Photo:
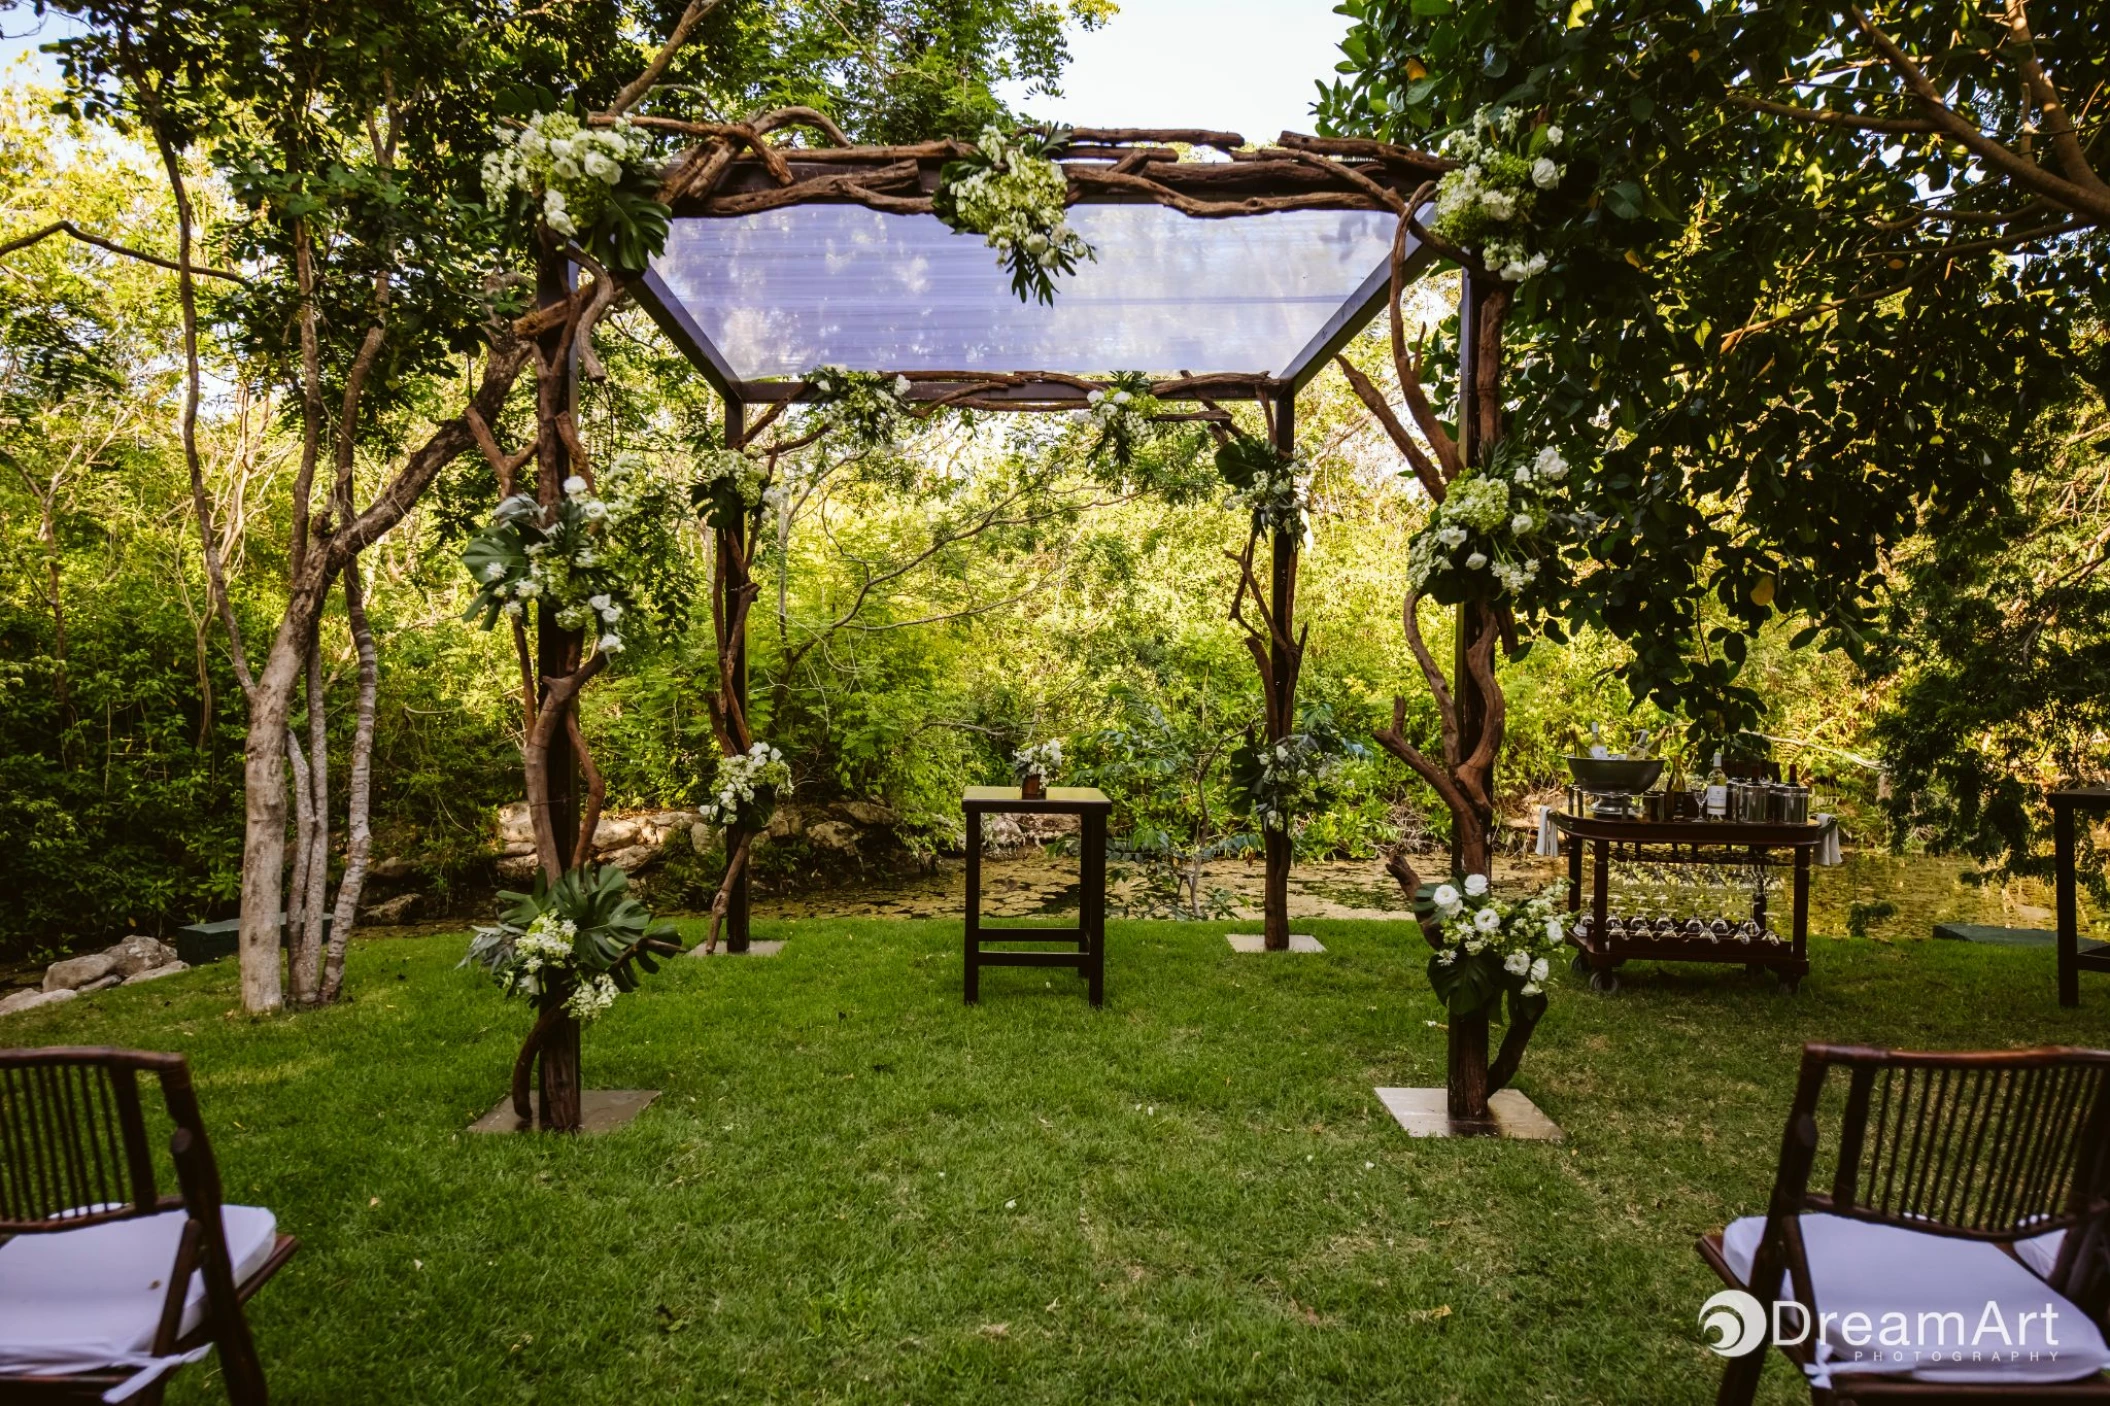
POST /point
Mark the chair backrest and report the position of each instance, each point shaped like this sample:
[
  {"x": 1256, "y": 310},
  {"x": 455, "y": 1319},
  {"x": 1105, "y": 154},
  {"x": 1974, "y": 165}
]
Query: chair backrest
[
  {"x": 74, "y": 1147},
  {"x": 1989, "y": 1146}
]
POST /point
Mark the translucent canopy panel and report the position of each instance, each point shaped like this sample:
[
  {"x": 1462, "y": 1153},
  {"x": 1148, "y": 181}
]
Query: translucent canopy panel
[{"x": 782, "y": 292}]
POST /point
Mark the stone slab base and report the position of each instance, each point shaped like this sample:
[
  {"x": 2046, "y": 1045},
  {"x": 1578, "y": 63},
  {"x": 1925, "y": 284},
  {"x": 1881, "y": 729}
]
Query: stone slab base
[
  {"x": 601, "y": 1110},
  {"x": 1256, "y": 942},
  {"x": 755, "y": 948},
  {"x": 1426, "y": 1113}
]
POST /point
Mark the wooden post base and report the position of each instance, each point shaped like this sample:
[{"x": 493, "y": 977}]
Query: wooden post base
[
  {"x": 1426, "y": 1113},
  {"x": 600, "y": 1111}
]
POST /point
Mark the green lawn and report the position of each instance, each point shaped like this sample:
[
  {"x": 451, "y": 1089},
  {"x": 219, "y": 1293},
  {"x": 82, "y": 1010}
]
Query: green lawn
[{"x": 856, "y": 1189}]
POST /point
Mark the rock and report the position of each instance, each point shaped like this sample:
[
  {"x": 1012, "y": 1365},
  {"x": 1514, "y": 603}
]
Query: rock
[
  {"x": 391, "y": 912},
  {"x": 1035, "y": 829},
  {"x": 521, "y": 868},
  {"x": 615, "y": 832},
  {"x": 76, "y": 972},
  {"x": 514, "y": 828},
  {"x": 1001, "y": 832},
  {"x": 157, "y": 973},
  {"x": 395, "y": 868},
  {"x": 703, "y": 835},
  {"x": 100, "y": 984},
  {"x": 139, "y": 953},
  {"x": 833, "y": 834},
  {"x": 871, "y": 813},
  {"x": 29, "y": 1000},
  {"x": 786, "y": 822},
  {"x": 631, "y": 857},
  {"x": 672, "y": 819}
]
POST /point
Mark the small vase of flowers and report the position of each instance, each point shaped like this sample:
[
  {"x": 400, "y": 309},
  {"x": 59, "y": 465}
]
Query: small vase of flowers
[{"x": 1033, "y": 766}]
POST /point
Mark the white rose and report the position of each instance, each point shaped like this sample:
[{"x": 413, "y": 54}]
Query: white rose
[
  {"x": 595, "y": 510},
  {"x": 1544, "y": 174},
  {"x": 1554, "y": 932},
  {"x": 602, "y": 169},
  {"x": 1516, "y": 964},
  {"x": 600, "y": 602},
  {"x": 1487, "y": 920},
  {"x": 1531, "y": 988},
  {"x": 1523, "y": 475},
  {"x": 1553, "y": 136},
  {"x": 611, "y": 643},
  {"x": 1475, "y": 884},
  {"x": 1476, "y": 560},
  {"x": 611, "y": 612},
  {"x": 1446, "y": 897},
  {"x": 1539, "y": 970},
  {"x": 574, "y": 486},
  {"x": 1520, "y": 524}
]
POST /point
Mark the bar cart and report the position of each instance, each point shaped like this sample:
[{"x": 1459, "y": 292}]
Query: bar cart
[{"x": 1606, "y": 940}]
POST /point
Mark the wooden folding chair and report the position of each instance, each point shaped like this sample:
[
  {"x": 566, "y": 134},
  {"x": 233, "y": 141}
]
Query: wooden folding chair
[
  {"x": 1956, "y": 1179},
  {"x": 106, "y": 1285}
]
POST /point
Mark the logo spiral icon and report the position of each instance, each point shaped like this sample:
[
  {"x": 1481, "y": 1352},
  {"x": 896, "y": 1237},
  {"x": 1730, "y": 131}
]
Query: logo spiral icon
[{"x": 1734, "y": 1323}]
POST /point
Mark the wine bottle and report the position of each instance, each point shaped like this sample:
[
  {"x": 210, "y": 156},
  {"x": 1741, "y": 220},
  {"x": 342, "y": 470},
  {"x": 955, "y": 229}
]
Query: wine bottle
[
  {"x": 1637, "y": 750},
  {"x": 1717, "y": 798},
  {"x": 1597, "y": 748}
]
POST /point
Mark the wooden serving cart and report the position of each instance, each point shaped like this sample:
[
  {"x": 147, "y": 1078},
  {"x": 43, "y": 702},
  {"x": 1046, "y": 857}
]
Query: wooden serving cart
[{"x": 1606, "y": 940}]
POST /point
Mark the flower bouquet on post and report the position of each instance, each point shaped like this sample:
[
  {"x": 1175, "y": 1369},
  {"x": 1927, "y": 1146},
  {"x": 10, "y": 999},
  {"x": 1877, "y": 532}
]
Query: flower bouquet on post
[
  {"x": 1488, "y": 951},
  {"x": 1032, "y": 766},
  {"x": 570, "y": 948}
]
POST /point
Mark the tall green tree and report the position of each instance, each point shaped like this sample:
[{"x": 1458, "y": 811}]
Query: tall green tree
[{"x": 1814, "y": 273}]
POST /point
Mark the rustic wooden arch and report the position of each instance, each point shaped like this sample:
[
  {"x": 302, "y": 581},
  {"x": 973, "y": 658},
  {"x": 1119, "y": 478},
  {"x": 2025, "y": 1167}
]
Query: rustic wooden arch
[{"x": 737, "y": 169}]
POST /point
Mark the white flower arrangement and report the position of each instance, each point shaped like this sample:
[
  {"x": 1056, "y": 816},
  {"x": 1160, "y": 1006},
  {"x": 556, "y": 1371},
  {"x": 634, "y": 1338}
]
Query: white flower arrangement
[
  {"x": 1495, "y": 529},
  {"x": 1043, "y": 759},
  {"x": 1487, "y": 202},
  {"x": 566, "y": 170},
  {"x": 572, "y": 944},
  {"x": 729, "y": 486},
  {"x": 1280, "y": 497},
  {"x": 527, "y": 555},
  {"x": 1125, "y": 413},
  {"x": 1486, "y": 945},
  {"x": 1013, "y": 192},
  {"x": 871, "y": 407},
  {"x": 747, "y": 788},
  {"x": 1275, "y": 782}
]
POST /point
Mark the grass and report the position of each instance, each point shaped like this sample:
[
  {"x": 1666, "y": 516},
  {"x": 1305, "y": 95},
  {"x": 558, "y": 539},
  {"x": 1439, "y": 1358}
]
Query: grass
[{"x": 855, "y": 1189}]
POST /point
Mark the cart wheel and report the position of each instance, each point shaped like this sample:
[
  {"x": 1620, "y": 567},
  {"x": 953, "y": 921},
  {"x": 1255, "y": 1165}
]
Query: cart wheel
[
  {"x": 1605, "y": 982},
  {"x": 1579, "y": 963},
  {"x": 1754, "y": 968},
  {"x": 1792, "y": 984}
]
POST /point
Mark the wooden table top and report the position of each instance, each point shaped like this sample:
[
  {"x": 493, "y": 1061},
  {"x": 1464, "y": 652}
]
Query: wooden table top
[
  {"x": 1692, "y": 832},
  {"x": 1060, "y": 800}
]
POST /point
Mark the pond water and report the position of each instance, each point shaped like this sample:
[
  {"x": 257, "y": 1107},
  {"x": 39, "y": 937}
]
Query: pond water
[{"x": 1921, "y": 891}]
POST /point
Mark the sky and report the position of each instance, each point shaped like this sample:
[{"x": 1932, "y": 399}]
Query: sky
[{"x": 1245, "y": 66}]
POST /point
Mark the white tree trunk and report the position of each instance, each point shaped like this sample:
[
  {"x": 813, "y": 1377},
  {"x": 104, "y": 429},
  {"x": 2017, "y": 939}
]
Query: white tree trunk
[{"x": 358, "y": 831}]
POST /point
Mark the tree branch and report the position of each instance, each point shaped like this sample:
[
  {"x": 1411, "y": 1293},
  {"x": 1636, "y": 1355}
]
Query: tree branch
[
  {"x": 68, "y": 227},
  {"x": 642, "y": 84},
  {"x": 2093, "y": 203}
]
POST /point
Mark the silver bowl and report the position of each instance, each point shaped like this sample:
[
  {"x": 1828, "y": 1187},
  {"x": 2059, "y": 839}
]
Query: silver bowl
[{"x": 1615, "y": 776}]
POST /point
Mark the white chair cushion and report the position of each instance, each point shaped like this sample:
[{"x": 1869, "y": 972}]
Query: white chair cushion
[
  {"x": 2041, "y": 1252},
  {"x": 1907, "y": 1283},
  {"x": 73, "y": 1300}
]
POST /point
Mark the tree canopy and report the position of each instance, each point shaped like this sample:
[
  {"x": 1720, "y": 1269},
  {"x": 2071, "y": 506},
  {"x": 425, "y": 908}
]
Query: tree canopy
[{"x": 1815, "y": 274}]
